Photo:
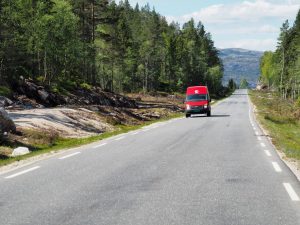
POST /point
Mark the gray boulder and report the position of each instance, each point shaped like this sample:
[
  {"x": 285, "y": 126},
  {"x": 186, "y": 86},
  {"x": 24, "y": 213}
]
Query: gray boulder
[
  {"x": 6, "y": 123},
  {"x": 5, "y": 101},
  {"x": 20, "y": 151}
]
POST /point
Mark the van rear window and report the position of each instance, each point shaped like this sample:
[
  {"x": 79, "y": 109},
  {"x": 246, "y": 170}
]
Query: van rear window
[{"x": 195, "y": 98}]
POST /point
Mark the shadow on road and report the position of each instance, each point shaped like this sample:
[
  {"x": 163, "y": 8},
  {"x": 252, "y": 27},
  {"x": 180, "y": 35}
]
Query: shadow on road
[
  {"x": 199, "y": 116},
  {"x": 238, "y": 94}
]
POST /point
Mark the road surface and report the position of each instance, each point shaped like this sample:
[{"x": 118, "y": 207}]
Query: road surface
[{"x": 205, "y": 171}]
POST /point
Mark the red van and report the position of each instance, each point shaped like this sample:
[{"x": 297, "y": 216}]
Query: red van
[{"x": 197, "y": 101}]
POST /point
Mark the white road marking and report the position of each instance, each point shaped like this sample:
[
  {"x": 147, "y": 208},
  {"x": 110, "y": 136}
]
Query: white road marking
[
  {"x": 22, "y": 172},
  {"x": 254, "y": 128},
  {"x": 262, "y": 144},
  {"x": 268, "y": 153},
  {"x": 70, "y": 155},
  {"x": 120, "y": 138},
  {"x": 135, "y": 133},
  {"x": 256, "y": 133},
  {"x": 259, "y": 138},
  {"x": 276, "y": 167},
  {"x": 98, "y": 146},
  {"x": 145, "y": 130},
  {"x": 291, "y": 192}
]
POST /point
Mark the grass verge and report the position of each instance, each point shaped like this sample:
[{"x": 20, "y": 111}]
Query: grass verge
[
  {"x": 63, "y": 143},
  {"x": 281, "y": 118}
]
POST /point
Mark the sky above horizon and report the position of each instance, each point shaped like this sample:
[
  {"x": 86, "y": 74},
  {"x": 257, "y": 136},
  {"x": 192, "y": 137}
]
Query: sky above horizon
[{"x": 248, "y": 24}]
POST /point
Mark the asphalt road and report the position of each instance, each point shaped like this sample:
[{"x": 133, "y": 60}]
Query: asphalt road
[{"x": 210, "y": 171}]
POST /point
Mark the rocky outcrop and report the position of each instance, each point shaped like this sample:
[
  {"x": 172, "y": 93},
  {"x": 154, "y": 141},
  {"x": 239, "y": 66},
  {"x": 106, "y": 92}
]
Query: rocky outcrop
[
  {"x": 6, "y": 124},
  {"x": 37, "y": 93},
  {"x": 30, "y": 95},
  {"x": 4, "y": 102}
]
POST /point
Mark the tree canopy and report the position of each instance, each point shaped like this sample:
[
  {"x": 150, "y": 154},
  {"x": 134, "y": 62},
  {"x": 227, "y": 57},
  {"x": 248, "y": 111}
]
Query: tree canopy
[
  {"x": 116, "y": 46},
  {"x": 281, "y": 69}
]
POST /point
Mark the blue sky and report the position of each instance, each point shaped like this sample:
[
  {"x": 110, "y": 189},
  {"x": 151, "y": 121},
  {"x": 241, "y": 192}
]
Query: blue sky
[{"x": 249, "y": 24}]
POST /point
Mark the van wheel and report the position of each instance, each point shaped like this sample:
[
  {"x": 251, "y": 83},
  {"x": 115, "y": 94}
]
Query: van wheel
[
  {"x": 187, "y": 115},
  {"x": 209, "y": 113}
]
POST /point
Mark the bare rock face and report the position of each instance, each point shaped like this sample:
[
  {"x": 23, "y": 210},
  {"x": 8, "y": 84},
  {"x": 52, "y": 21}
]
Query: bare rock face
[{"x": 6, "y": 123}]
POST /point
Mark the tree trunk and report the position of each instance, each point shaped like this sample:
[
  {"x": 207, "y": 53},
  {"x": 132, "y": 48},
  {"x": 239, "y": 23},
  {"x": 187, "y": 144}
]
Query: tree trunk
[
  {"x": 112, "y": 75},
  {"x": 282, "y": 72},
  {"x": 45, "y": 66}
]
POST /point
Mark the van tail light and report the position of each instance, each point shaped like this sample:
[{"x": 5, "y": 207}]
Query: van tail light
[
  {"x": 188, "y": 107},
  {"x": 205, "y": 106}
]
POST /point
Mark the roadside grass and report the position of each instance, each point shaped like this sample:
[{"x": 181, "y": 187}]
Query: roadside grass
[
  {"x": 49, "y": 143},
  {"x": 281, "y": 118}
]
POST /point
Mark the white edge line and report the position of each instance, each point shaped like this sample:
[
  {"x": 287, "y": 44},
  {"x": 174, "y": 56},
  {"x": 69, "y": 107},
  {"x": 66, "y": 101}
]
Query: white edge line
[
  {"x": 268, "y": 153},
  {"x": 288, "y": 187},
  {"x": 120, "y": 138},
  {"x": 70, "y": 155},
  {"x": 262, "y": 145},
  {"x": 276, "y": 167},
  {"x": 98, "y": 146},
  {"x": 22, "y": 172}
]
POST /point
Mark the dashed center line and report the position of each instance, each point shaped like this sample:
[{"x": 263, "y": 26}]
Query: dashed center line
[
  {"x": 262, "y": 144},
  {"x": 70, "y": 155},
  {"x": 291, "y": 192},
  {"x": 268, "y": 153},
  {"x": 98, "y": 146},
  {"x": 256, "y": 133},
  {"x": 276, "y": 167},
  {"x": 22, "y": 172}
]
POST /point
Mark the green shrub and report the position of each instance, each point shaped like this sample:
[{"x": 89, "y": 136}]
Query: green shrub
[
  {"x": 68, "y": 85},
  {"x": 5, "y": 91},
  {"x": 298, "y": 102},
  {"x": 86, "y": 86}
]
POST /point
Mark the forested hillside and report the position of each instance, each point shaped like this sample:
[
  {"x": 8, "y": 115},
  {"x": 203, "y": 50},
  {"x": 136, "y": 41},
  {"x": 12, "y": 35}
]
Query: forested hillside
[
  {"x": 281, "y": 69},
  {"x": 70, "y": 43},
  {"x": 239, "y": 64}
]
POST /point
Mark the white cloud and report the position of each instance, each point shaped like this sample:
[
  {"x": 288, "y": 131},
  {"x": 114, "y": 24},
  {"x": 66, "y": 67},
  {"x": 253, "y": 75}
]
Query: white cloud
[
  {"x": 253, "y": 44},
  {"x": 245, "y": 11},
  {"x": 264, "y": 29}
]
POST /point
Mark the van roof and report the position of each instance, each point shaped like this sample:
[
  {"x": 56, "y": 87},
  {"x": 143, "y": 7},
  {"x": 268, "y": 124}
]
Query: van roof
[{"x": 196, "y": 90}]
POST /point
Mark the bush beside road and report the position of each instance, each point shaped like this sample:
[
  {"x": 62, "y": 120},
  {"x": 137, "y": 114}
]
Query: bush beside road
[{"x": 281, "y": 119}]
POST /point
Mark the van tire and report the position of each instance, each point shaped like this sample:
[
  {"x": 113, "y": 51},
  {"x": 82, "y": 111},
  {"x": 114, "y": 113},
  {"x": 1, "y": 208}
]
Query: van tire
[
  {"x": 187, "y": 115},
  {"x": 209, "y": 113}
]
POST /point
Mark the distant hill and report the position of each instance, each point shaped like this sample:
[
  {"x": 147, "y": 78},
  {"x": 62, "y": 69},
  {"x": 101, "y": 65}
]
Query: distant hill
[{"x": 240, "y": 63}]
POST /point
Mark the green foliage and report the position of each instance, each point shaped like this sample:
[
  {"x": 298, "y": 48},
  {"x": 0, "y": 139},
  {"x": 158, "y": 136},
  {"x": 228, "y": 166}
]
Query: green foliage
[
  {"x": 85, "y": 86},
  {"x": 5, "y": 91},
  {"x": 298, "y": 102},
  {"x": 281, "y": 69},
  {"x": 244, "y": 84},
  {"x": 101, "y": 42},
  {"x": 231, "y": 85}
]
